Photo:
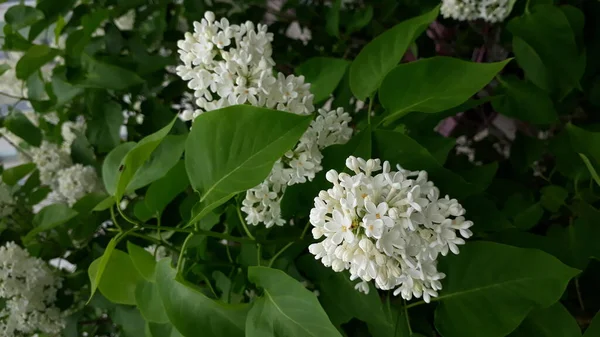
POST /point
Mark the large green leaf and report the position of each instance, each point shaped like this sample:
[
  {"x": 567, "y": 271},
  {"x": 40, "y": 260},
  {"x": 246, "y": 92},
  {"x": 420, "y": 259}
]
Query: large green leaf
[
  {"x": 21, "y": 126},
  {"x": 554, "y": 321},
  {"x": 143, "y": 261},
  {"x": 548, "y": 33},
  {"x": 163, "y": 191},
  {"x": 163, "y": 158},
  {"x": 586, "y": 142},
  {"x": 399, "y": 148},
  {"x": 11, "y": 176},
  {"x": 115, "y": 276},
  {"x": 33, "y": 60},
  {"x": 523, "y": 100},
  {"x": 340, "y": 299},
  {"x": 161, "y": 330},
  {"x": 433, "y": 85},
  {"x": 575, "y": 244},
  {"x": 286, "y": 308},
  {"x": 112, "y": 166},
  {"x": 137, "y": 156},
  {"x": 324, "y": 74},
  {"x": 233, "y": 149},
  {"x": 103, "y": 130},
  {"x": 191, "y": 312},
  {"x": 107, "y": 76},
  {"x": 384, "y": 52},
  {"x": 20, "y": 16},
  {"x": 50, "y": 217},
  {"x": 504, "y": 282},
  {"x": 149, "y": 302}
]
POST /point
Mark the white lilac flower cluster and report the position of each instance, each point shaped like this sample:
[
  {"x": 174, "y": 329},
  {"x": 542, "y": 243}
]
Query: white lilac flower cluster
[
  {"x": 7, "y": 203},
  {"x": 68, "y": 182},
  {"x": 263, "y": 202},
  {"x": 70, "y": 130},
  {"x": 231, "y": 64},
  {"x": 28, "y": 290},
  {"x": 389, "y": 227},
  {"x": 469, "y": 10}
]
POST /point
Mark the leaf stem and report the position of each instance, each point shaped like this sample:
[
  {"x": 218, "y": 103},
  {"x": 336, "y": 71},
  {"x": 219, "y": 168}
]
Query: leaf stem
[
  {"x": 415, "y": 304},
  {"x": 156, "y": 241},
  {"x": 133, "y": 222},
  {"x": 114, "y": 219},
  {"x": 304, "y": 231},
  {"x": 279, "y": 253},
  {"x": 244, "y": 225},
  {"x": 370, "y": 108},
  {"x": 202, "y": 232},
  {"x": 182, "y": 253},
  {"x": 407, "y": 319},
  {"x": 258, "y": 255},
  {"x": 578, "y": 290}
]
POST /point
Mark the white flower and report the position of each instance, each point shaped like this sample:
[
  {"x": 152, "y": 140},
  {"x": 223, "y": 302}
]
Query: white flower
[
  {"x": 295, "y": 32},
  {"x": 469, "y": 10},
  {"x": 7, "y": 203},
  {"x": 75, "y": 182},
  {"x": 50, "y": 159},
  {"x": 69, "y": 131},
  {"x": 28, "y": 290},
  {"x": 389, "y": 227}
]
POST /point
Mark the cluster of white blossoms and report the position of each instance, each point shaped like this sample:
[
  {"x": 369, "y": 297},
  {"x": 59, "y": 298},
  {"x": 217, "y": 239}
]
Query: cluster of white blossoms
[
  {"x": 27, "y": 290},
  {"x": 7, "y": 203},
  {"x": 469, "y": 10},
  {"x": 387, "y": 226},
  {"x": 70, "y": 130},
  {"x": 231, "y": 64},
  {"x": 263, "y": 202},
  {"x": 69, "y": 182}
]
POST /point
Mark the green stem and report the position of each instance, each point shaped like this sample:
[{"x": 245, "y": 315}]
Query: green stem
[
  {"x": 415, "y": 304},
  {"x": 279, "y": 253},
  {"x": 579, "y": 298},
  {"x": 114, "y": 219},
  {"x": 244, "y": 225},
  {"x": 156, "y": 241},
  {"x": 202, "y": 232},
  {"x": 407, "y": 319},
  {"x": 305, "y": 230},
  {"x": 182, "y": 254},
  {"x": 370, "y": 108},
  {"x": 133, "y": 222},
  {"x": 258, "y": 255}
]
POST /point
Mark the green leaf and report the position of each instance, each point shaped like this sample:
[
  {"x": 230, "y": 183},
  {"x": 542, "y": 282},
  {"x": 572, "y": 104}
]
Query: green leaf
[
  {"x": 107, "y": 76},
  {"x": 82, "y": 151},
  {"x": 324, "y": 74},
  {"x": 575, "y": 244},
  {"x": 384, "y": 52},
  {"x": 525, "y": 101},
  {"x": 103, "y": 129},
  {"x": 397, "y": 326},
  {"x": 286, "y": 308},
  {"x": 485, "y": 214},
  {"x": 529, "y": 217},
  {"x": 400, "y": 149},
  {"x": 129, "y": 320},
  {"x": 191, "y": 312},
  {"x": 143, "y": 261},
  {"x": 593, "y": 329},
  {"x": 115, "y": 276},
  {"x": 585, "y": 142},
  {"x": 137, "y": 156},
  {"x": 50, "y": 217},
  {"x": 224, "y": 156},
  {"x": 548, "y": 32},
  {"x": 11, "y": 176},
  {"x": 505, "y": 282},
  {"x": 112, "y": 164},
  {"x": 21, "y": 16},
  {"x": 161, "y": 330},
  {"x": 21, "y": 126},
  {"x": 33, "y": 60},
  {"x": 332, "y": 25},
  {"x": 553, "y": 197},
  {"x": 163, "y": 158},
  {"x": 163, "y": 191},
  {"x": 449, "y": 82},
  {"x": 148, "y": 301},
  {"x": 4, "y": 68},
  {"x": 531, "y": 63},
  {"x": 96, "y": 273},
  {"x": 339, "y": 297},
  {"x": 590, "y": 168},
  {"x": 554, "y": 321}
]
